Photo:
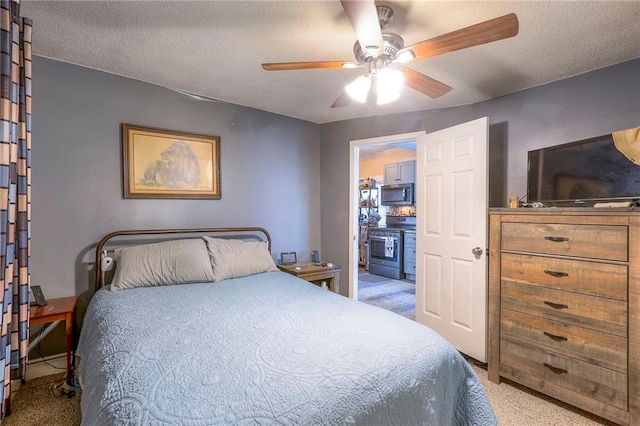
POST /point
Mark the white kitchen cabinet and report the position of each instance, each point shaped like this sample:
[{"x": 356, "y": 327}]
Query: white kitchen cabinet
[
  {"x": 402, "y": 172},
  {"x": 410, "y": 255}
]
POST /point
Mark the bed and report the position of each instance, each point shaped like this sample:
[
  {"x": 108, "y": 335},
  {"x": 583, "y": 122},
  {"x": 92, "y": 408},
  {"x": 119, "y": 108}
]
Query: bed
[{"x": 262, "y": 349}]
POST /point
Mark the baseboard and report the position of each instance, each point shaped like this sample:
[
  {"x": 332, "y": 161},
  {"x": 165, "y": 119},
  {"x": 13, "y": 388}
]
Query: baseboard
[{"x": 46, "y": 366}]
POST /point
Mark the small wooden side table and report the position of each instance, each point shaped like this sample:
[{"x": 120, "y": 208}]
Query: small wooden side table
[
  {"x": 315, "y": 273},
  {"x": 61, "y": 309}
]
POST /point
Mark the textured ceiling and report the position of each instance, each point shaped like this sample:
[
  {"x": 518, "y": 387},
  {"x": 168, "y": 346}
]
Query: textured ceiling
[{"x": 216, "y": 48}]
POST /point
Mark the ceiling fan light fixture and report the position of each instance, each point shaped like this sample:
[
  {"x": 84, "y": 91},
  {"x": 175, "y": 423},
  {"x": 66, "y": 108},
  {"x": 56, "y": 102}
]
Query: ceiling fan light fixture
[
  {"x": 390, "y": 79},
  {"x": 388, "y": 85},
  {"x": 387, "y": 96},
  {"x": 377, "y": 50},
  {"x": 405, "y": 56},
  {"x": 359, "y": 88},
  {"x": 372, "y": 51}
]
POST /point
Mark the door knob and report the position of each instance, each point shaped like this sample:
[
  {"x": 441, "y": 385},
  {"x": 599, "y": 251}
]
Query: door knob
[{"x": 477, "y": 252}]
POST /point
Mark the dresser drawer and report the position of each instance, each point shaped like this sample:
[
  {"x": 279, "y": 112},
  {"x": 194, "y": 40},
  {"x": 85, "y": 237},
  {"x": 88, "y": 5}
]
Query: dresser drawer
[
  {"x": 594, "y": 241},
  {"x": 590, "y": 380},
  {"x": 582, "y": 276},
  {"x": 596, "y": 313},
  {"x": 603, "y": 349}
]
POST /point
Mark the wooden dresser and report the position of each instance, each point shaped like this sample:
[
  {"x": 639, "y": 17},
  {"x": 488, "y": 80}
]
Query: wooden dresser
[{"x": 564, "y": 306}]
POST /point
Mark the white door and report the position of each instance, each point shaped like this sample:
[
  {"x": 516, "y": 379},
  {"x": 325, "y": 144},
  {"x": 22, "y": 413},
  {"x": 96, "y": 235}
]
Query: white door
[{"x": 451, "y": 235}]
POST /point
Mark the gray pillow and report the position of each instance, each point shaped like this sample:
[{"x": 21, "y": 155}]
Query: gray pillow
[
  {"x": 164, "y": 263},
  {"x": 238, "y": 258}
]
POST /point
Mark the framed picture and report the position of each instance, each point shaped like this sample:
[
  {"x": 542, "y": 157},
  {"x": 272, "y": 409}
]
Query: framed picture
[
  {"x": 159, "y": 163},
  {"x": 288, "y": 258}
]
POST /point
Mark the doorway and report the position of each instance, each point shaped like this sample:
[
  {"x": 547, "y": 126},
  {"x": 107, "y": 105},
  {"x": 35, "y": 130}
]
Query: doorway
[
  {"x": 367, "y": 157},
  {"x": 451, "y": 214}
]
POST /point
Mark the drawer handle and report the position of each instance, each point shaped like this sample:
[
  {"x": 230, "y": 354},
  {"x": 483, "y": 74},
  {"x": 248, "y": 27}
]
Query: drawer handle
[
  {"x": 555, "y": 337},
  {"x": 555, "y": 369},
  {"x": 556, "y": 239},
  {"x": 556, "y": 274},
  {"x": 556, "y": 305}
]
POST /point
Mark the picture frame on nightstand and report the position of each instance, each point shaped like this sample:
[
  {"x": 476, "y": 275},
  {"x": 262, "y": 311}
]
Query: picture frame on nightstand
[
  {"x": 288, "y": 258},
  {"x": 36, "y": 296}
]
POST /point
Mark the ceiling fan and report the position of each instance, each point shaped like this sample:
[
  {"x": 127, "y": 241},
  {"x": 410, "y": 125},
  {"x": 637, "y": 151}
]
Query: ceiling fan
[{"x": 383, "y": 53}]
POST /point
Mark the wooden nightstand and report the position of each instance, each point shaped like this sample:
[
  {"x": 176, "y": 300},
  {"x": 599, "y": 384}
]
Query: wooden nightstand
[
  {"x": 61, "y": 309},
  {"x": 309, "y": 271}
]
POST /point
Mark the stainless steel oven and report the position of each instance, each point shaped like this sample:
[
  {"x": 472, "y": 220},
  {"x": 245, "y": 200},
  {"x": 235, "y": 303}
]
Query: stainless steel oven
[
  {"x": 385, "y": 252},
  {"x": 386, "y": 246}
]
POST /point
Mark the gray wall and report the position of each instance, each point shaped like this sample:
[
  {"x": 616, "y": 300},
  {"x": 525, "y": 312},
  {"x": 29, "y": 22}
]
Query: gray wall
[
  {"x": 270, "y": 168},
  {"x": 580, "y": 107},
  {"x": 287, "y": 175}
]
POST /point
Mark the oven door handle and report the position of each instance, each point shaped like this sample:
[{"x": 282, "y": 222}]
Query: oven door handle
[{"x": 382, "y": 238}]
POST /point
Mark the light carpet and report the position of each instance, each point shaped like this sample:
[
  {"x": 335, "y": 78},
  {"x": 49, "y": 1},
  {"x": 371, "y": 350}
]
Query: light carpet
[
  {"x": 516, "y": 405},
  {"x": 34, "y": 404}
]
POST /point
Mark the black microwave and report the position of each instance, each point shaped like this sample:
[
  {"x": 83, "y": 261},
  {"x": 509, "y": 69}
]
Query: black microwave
[{"x": 397, "y": 195}]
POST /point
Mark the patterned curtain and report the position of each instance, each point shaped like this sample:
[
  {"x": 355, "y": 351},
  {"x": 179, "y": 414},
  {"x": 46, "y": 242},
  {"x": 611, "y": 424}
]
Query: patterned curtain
[{"x": 15, "y": 193}]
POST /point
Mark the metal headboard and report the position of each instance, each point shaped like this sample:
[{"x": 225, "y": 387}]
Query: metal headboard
[{"x": 142, "y": 232}]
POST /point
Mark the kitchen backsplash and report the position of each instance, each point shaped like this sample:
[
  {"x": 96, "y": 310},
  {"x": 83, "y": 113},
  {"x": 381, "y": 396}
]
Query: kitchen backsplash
[{"x": 401, "y": 210}]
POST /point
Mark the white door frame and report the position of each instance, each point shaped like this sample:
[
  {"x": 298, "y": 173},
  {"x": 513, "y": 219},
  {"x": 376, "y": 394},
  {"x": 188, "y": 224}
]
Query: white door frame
[{"x": 354, "y": 179}]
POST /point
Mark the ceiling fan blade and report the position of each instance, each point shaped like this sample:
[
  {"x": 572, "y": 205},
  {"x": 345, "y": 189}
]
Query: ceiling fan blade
[
  {"x": 363, "y": 16},
  {"x": 343, "y": 100},
  {"x": 283, "y": 66},
  {"x": 423, "y": 84},
  {"x": 485, "y": 32}
]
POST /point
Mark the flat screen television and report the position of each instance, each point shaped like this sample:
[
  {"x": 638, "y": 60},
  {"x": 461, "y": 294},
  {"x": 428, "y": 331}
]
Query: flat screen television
[{"x": 581, "y": 173}]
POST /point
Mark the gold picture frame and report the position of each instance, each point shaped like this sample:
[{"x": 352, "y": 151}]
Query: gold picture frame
[{"x": 161, "y": 163}]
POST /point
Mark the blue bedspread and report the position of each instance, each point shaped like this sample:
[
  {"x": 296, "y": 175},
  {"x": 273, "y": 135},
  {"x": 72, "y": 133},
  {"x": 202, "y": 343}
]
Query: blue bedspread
[{"x": 263, "y": 350}]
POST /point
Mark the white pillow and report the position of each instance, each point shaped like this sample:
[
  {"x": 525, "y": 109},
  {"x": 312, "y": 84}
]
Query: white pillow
[
  {"x": 164, "y": 263},
  {"x": 238, "y": 258}
]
